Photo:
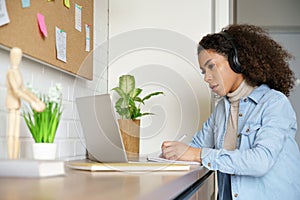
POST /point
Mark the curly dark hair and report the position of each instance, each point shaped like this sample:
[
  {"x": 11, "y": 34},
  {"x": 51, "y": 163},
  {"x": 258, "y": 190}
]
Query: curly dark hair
[{"x": 263, "y": 61}]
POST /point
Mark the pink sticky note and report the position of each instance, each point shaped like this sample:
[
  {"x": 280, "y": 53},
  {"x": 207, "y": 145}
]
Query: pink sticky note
[{"x": 42, "y": 25}]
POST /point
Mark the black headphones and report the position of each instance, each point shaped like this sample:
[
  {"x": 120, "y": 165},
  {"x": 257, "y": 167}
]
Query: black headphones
[{"x": 232, "y": 54}]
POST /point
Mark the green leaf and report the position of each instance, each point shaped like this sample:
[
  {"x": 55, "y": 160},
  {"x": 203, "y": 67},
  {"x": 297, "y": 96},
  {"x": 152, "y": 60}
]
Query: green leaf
[
  {"x": 43, "y": 125},
  {"x": 143, "y": 114},
  {"x": 135, "y": 92},
  {"x": 127, "y": 83},
  {"x": 151, "y": 95},
  {"x": 128, "y": 105},
  {"x": 121, "y": 93},
  {"x": 138, "y": 99}
]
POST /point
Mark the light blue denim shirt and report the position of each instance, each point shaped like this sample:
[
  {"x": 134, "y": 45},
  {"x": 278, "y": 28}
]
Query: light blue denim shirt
[{"x": 266, "y": 162}]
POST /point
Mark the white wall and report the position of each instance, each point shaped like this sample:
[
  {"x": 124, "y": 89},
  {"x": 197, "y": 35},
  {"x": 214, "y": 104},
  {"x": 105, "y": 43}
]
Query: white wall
[
  {"x": 156, "y": 42},
  {"x": 69, "y": 136}
]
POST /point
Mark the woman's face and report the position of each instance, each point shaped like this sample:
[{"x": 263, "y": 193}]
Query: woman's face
[{"x": 217, "y": 72}]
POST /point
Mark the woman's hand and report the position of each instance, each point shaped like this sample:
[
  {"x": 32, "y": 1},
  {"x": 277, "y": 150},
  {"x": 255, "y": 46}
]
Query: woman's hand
[{"x": 179, "y": 151}]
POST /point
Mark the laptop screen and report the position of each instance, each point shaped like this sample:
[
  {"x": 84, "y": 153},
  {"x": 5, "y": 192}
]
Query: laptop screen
[{"x": 100, "y": 128}]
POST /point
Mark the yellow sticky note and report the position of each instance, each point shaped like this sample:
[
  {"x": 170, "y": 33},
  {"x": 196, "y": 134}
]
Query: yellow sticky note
[{"x": 67, "y": 3}]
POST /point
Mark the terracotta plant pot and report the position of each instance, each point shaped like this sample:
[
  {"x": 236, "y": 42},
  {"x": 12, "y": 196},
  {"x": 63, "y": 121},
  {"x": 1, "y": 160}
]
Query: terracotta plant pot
[{"x": 130, "y": 132}]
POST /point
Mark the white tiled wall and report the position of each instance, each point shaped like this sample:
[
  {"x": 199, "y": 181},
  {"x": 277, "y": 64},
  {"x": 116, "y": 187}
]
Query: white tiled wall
[{"x": 69, "y": 135}]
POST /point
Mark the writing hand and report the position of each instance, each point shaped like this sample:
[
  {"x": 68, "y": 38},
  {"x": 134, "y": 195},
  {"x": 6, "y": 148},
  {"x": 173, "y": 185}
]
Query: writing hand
[{"x": 174, "y": 150}]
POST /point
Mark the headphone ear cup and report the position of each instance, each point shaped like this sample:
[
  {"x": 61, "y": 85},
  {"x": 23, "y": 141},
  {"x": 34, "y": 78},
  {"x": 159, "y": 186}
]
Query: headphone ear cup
[
  {"x": 234, "y": 61},
  {"x": 232, "y": 54}
]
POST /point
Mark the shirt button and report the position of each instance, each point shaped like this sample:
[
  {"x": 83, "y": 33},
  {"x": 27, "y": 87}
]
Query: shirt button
[
  {"x": 247, "y": 130},
  {"x": 245, "y": 100},
  {"x": 240, "y": 114},
  {"x": 239, "y": 135},
  {"x": 209, "y": 164},
  {"x": 236, "y": 195}
]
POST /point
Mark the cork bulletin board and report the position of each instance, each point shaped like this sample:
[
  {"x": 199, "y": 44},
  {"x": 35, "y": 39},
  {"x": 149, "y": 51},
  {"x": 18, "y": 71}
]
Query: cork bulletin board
[{"x": 23, "y": 31}]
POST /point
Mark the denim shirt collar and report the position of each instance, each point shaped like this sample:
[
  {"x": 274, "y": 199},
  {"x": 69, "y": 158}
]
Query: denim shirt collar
[
  {"x": 256, "y": 95},
  {"x": 259, "y": 92}
]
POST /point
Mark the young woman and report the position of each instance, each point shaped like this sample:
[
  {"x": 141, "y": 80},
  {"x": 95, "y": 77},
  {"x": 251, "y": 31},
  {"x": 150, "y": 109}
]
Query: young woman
[{"x": 250, "y": 137}]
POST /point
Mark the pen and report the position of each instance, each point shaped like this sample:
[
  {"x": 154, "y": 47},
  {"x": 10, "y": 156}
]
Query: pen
[{"x": 181, "y": 138}]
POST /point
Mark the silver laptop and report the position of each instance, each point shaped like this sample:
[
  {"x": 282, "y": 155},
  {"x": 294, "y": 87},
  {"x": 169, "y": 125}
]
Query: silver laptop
[{"x": 100, "y": 128}]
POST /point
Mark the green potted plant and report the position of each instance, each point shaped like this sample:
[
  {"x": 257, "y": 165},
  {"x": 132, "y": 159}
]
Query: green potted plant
[
  {"x": 128, "y": 106},
  {"x": 43, "y": 125}
]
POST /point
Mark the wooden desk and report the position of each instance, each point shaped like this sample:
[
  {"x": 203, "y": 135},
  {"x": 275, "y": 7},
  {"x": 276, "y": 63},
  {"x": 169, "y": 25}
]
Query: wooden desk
[{"x": 198, "y": 183}]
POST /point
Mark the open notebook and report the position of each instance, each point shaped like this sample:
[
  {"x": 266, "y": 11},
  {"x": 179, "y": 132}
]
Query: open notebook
[{"x": 158, "y": 158}]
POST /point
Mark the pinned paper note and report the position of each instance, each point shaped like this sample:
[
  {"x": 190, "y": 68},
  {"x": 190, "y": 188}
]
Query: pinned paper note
[
  {"x": 87, "y": 38},
  {"x": 25, "y": 3},
  {"x": 78, "y": 9},
  {"x": 67, "y": 3},
  {"x": 4, "y": 19},
  {"x": 61, "y": 44},
  {"x": 42, "y": 25}
]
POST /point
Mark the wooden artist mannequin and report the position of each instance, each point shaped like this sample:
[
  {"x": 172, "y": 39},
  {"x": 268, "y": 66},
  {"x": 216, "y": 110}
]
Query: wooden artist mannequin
[{"x": 15, "y": 92}]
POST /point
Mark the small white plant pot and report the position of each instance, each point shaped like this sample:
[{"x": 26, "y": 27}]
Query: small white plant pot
[{"x": 44, "y": 151}]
